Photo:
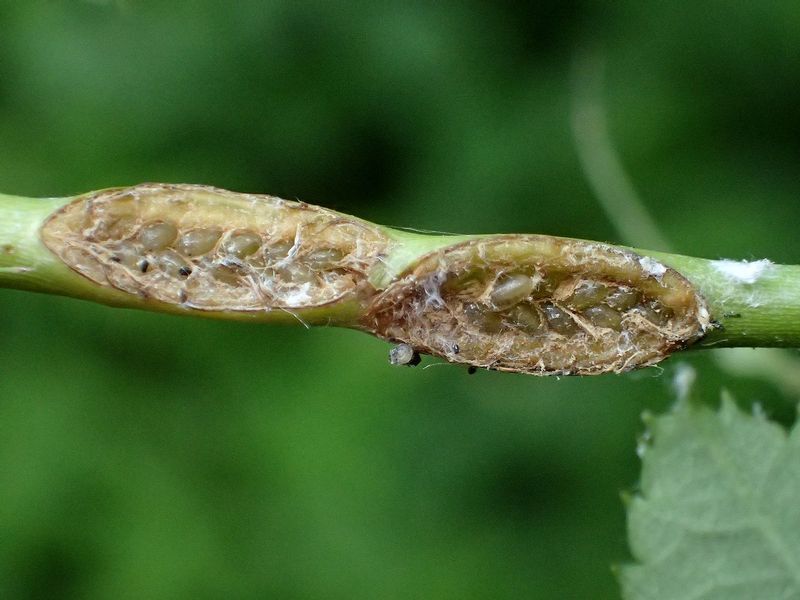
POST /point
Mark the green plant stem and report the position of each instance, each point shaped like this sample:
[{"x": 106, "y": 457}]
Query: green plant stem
[
  {"x": 25, "y": 262},
  {"x": 764, "y": 313},
  {"x": 762, "y": 310}
]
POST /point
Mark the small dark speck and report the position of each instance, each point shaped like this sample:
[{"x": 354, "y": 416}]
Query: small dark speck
[
  {"x": 143, "y": 266},
  {"x": 456, "y": 349},
  {"x": 8, "y": 249},
  {"x": 116, "y": 259},
  {"x": 732, "y": 315},
  {"x": 472, "y": 370},
  {"x": 184, "y": 271}
]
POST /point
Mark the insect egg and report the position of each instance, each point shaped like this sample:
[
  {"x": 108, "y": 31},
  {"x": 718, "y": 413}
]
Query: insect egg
[
  {"x": 623, "y": 298},
  {"x": 526, "y": 317},
  {"x": 588, "y": 293},
  {"x": 157, "y": 235},
  {"x": 603, "y": 315},
  {"x": 277, "y": 251},
  {"x": 198, "y": 241},
  {"x": 126, "y": 254},
  {"x": 511, "y": 289},
  {"x": 242, "y": 243},
  {"x": 486, "y": 321},
  {"x": 85, "y": 262},
  {"x": 654, "y": 312},
  {"x": 225, "y": 274},
  {"x": 558, "y": 320},
  {"x": 325, "y": 258},
  {"x": 172, "y": 263},
  {"x": 404, "y": 354}
]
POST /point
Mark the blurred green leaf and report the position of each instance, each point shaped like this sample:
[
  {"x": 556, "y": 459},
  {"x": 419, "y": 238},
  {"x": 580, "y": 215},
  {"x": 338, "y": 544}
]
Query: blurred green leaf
[{"x": 718, "y": 513}]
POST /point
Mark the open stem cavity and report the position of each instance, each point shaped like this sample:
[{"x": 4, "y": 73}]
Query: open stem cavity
[{"x": 525, "y": 303}]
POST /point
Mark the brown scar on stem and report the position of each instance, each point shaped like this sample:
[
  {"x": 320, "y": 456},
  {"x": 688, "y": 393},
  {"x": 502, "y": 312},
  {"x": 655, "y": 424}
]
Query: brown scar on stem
[
  {"x": 296, "y": 256},
  {"x": 431, "y": 306},
  {"x": 511, "y": 303}
]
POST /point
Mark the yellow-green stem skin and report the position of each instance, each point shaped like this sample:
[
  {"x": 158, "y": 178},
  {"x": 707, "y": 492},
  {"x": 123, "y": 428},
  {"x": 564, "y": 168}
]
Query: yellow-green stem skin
[
  {"x": 764, "y": 313},
  {"x": 761, "y": 312},
  {"x": 407, "y": 250},
  {"x": 25, "y": 263}
]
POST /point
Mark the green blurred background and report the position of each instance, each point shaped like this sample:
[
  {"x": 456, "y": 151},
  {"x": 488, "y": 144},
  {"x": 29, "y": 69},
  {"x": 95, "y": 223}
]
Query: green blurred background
[{"x": 148, "y": 456}]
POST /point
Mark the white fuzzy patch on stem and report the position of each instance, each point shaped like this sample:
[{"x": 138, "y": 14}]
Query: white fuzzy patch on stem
[
  {"x": 742, "y": 271},
  {"x": 652, "y": 267}
]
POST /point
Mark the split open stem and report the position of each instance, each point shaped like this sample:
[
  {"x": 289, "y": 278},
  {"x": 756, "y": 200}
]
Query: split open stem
[{"x": 748, "y": 304}]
